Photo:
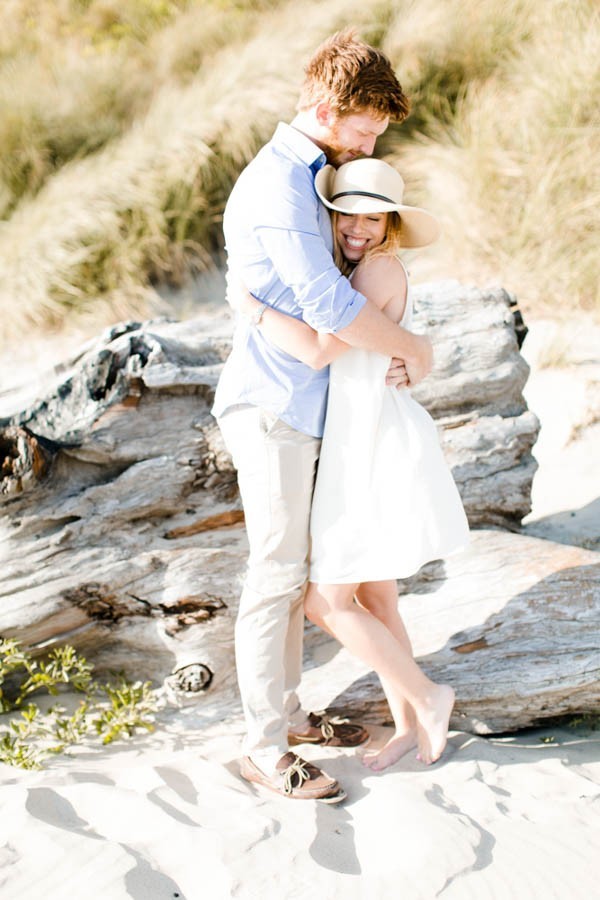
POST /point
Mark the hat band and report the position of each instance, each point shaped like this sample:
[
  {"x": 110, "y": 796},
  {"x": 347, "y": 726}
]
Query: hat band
[{"x": 361, "y": 194}]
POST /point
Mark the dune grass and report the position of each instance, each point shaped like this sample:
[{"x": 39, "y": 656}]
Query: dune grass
[
  {"x": 443, "y": 49},
  {"x": 114, "y": 169},
  {"x": 513, "y": 175},
  {"x": 76, "y": 74},
  {"x": 149, "y": 204}
]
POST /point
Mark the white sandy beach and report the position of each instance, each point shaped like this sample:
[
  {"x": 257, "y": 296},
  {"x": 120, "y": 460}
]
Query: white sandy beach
[{"x": 166, "y": 815}]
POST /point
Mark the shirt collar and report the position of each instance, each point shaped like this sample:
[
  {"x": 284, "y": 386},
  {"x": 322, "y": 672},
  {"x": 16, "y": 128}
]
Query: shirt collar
[{"x": 300, "y": 145}]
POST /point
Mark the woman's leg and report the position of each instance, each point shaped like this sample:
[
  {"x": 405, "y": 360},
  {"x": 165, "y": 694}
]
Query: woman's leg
[
  {"x": 332, "y": 607},
  {"x": 380, "y": 598}
]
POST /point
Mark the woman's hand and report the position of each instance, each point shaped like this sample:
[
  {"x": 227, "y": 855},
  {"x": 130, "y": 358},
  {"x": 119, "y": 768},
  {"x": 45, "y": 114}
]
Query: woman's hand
[
  {"x": 240, "y": 299},
  {"x": 396, "y": 375}
]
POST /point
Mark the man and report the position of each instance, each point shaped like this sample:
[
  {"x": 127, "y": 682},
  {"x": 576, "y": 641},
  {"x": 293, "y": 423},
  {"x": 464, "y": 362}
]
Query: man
[{"x": 271, "y": 407}]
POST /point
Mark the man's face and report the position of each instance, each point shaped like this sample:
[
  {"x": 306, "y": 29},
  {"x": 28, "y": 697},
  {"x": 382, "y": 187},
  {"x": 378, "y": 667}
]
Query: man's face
[{"x": 353, "y": 136}]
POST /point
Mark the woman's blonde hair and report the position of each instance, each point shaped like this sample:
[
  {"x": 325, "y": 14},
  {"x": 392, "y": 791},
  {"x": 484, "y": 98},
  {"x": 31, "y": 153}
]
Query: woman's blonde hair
[{"x": 390, "y": 246}]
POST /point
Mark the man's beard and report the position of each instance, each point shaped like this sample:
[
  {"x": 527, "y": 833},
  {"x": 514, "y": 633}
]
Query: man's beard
[
  {"x": 338, "y": 157},
  {"x": 335, "y": 152}
]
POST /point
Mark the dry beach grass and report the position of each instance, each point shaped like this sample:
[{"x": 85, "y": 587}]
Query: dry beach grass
[{"x": 114, "y": 167}]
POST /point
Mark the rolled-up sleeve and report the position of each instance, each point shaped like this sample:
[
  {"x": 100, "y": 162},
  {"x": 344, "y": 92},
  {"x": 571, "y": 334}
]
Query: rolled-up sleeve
[
  {"x": 278, "y": 241},
  {"x": 302, "y": 262}
]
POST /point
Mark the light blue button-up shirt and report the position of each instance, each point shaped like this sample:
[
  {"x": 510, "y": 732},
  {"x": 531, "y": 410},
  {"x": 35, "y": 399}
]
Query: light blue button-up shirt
[{"x": 279, "y": 243}]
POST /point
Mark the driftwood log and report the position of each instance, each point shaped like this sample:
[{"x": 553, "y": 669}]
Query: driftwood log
[{"x": 119, "y": 513}]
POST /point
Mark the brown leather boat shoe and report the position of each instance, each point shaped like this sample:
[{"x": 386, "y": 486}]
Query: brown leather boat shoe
[
  {"x": 294, "y": 778},
  {"x": 334, "y": 732}
]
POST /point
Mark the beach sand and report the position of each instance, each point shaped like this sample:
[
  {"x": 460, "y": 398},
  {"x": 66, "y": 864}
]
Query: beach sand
[{"x": 166, "y": 815}]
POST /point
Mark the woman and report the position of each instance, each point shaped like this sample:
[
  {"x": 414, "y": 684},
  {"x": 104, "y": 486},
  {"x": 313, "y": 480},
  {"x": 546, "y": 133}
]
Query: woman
[{"x": 385, "y": 502}]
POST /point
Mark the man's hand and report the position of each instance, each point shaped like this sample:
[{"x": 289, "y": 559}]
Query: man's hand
[
  {"x": 396, "y": 375},
  {"x": 421, "y": 364}
]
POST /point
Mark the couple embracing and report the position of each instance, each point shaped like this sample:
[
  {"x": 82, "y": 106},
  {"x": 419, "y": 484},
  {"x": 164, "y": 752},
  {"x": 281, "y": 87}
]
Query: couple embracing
[{"x": 319, "y": 372}]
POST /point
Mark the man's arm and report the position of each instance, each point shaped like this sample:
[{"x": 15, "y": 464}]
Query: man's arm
[
  {"x": 372, "y": 330},
  {"x": 314, "y": 348},
  {"x": 330, "y": 304},
  {"x": 289, "y": 234}
]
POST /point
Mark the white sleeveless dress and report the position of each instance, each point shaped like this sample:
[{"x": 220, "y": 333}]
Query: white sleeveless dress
[{"x": 385, "y": 502}]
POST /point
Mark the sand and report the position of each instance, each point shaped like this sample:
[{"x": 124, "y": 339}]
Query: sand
[{"x": 166, "y": 815}]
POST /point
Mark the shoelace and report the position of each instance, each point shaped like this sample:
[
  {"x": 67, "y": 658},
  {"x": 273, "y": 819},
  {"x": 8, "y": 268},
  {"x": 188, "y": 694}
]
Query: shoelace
[
  {"x": 295, "y": 768},
  {"x": 326, "y": 725}
]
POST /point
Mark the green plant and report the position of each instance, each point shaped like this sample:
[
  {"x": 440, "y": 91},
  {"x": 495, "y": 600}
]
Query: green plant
[
  {"x": 109, "y": 710},
  {"x": 130, "y": 706},
  {"x": 589, "y": 720}
]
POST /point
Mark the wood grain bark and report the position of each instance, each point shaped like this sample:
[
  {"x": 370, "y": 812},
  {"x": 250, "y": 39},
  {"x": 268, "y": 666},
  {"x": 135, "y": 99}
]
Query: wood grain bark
[{"x": 119, "y": 512}]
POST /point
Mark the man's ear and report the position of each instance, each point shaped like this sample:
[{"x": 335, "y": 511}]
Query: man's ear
[{"x": 324, "y": 113}]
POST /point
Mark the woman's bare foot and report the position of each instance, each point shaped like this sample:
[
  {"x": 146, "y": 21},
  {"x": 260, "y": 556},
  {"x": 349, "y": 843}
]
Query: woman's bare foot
[
  {"x": 391, "y": 752},
  {"x": 433, "y": 723}
]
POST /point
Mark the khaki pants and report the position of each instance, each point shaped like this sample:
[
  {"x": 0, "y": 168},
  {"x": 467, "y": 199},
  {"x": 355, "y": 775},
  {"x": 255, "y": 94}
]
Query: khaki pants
[{"x": 276, "y": 471}]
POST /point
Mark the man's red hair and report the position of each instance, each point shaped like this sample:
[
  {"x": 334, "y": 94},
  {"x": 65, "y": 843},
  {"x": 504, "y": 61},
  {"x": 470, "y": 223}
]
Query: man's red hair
[{"x": 353, "y": 77}]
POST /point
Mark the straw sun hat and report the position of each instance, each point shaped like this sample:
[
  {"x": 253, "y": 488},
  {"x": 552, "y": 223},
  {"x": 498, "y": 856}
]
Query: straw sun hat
[{"x": 365, "y": 186}]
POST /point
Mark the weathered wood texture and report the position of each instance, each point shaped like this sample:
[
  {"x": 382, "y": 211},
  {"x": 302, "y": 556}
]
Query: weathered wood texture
[
  {"x": 117, "y": 493},
  {"x": 119, "y": 449},
  {"x": 475, "y": 395}
]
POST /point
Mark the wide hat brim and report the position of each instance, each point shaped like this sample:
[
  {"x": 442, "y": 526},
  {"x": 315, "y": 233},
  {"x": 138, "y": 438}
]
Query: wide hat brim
[{"x": 418, "y": 227}]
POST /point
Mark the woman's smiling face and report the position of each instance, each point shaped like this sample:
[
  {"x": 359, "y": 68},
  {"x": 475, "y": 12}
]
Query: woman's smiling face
[{"x": 358, "y": 233}]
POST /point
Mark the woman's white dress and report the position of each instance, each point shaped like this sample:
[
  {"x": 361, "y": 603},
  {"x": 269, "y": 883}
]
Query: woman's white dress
[{"x": 385, "y": 502}]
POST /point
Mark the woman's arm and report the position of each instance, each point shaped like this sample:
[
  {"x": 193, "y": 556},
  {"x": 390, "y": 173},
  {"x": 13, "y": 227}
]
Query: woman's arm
[
  {"x": 293, "y": 335},
  {"x": 382, "y": 281}
]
